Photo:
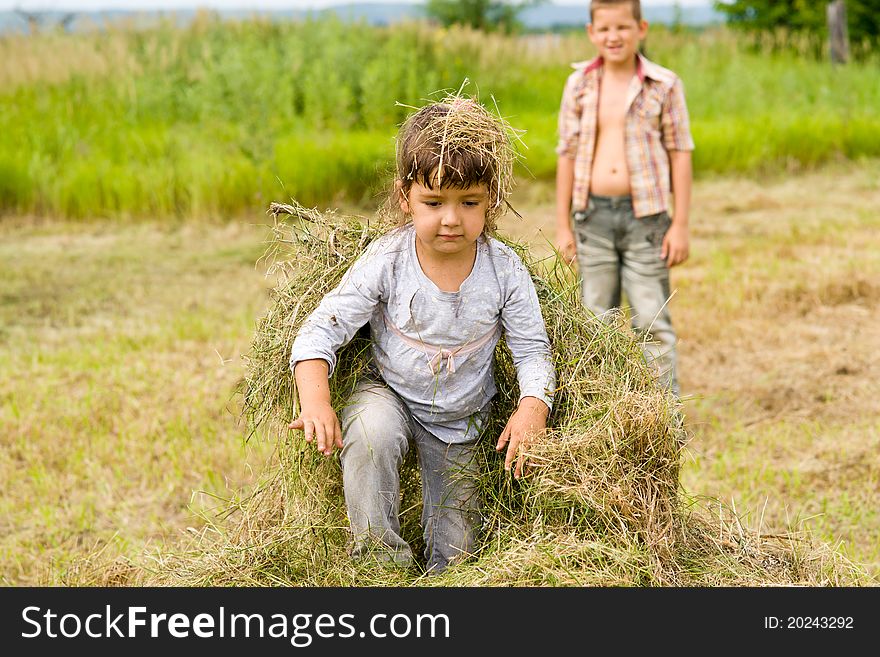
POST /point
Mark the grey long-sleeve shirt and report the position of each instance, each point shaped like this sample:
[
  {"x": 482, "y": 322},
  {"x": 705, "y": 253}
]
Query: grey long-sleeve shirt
[{"x": 387, "y": 284}]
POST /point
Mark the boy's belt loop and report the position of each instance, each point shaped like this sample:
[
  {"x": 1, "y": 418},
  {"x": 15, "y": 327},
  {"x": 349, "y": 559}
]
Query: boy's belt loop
[{"x": 613, "y": 202}]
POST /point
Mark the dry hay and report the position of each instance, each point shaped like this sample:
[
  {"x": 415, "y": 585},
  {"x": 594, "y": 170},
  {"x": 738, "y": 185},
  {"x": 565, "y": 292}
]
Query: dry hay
[
  {"x": 458, "y": 129},
  {"x": 601, "y": 504}
]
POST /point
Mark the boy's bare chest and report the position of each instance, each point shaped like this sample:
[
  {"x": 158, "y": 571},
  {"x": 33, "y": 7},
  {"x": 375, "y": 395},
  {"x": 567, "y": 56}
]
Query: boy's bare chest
[{"x": 612, "y": 105}]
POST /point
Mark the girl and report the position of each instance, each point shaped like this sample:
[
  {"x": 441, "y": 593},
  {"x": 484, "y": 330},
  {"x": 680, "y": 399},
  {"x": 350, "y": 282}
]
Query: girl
[{"x": 437, "y": 292}]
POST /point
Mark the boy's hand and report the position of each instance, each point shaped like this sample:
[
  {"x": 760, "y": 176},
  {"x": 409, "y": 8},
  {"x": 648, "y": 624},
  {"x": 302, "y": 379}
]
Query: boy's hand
[
  {"x": 565, "y": 244},
  {"x": 320, "y": 422},
  {"x": 527, "y": 422},
  {"x": 675, "y": 249}
]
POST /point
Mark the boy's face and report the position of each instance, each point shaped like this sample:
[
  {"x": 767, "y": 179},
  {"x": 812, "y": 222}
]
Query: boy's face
[
  {"x": 447, "y": 220},
  {"x": 616, "y": 33}
]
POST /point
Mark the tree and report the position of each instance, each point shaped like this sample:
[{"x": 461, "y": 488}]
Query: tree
[
  {"x": 803, "y": 16},
  {"x": 485, "y": 15},
  {"x": 37, "y": 20}
]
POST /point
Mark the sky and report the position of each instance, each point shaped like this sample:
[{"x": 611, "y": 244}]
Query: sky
[{"x": 153, "y": 5}]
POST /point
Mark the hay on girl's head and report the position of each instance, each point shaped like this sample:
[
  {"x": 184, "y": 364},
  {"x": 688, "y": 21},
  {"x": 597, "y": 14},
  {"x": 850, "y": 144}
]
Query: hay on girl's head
[{"x": 457, "y": 143}]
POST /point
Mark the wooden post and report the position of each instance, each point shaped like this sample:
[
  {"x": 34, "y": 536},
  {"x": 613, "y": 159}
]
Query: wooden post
[{"x": 838, "y": 35}]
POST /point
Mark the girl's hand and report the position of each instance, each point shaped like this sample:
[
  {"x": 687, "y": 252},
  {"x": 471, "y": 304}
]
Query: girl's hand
[
  {"x": 527, "y": 422},
  {"x": 320, "y": 422}
]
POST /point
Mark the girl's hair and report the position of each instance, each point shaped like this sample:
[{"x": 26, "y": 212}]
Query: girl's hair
[
  {"x": 635, "y": 5},
  {"x": 455, "y": 143}
]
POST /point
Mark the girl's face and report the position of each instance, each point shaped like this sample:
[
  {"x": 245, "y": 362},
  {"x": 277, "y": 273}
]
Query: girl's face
[{"x": 447, "y": 220}]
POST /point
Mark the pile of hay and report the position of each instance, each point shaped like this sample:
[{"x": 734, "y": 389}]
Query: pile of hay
[{"x": 601, "y": 504}]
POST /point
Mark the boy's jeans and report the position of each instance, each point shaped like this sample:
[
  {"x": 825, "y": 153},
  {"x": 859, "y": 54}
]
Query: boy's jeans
[
  {"x": 618, "y": 252},
  {"x": 377, "y": 429}
]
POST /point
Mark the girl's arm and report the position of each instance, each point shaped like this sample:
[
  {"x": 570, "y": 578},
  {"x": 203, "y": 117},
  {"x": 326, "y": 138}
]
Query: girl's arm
[
  {"x": 313, "y": 355},
  {"x": 526, "y": 336},
  {"x": 317, "y": 419}
]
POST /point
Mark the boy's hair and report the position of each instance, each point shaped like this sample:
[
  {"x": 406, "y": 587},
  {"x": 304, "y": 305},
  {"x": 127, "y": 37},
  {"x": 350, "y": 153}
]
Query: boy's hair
[
  {"x": 458, "y": 143},
  {"x": 636, "y": 6}
]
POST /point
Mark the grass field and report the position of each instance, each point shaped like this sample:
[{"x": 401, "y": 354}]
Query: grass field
[
  {"x": 776, "y": 313},
  {"x": 121, "y": 346},
  {"x": 135, "y": 166},
  {"x": 120, "y": 351},
  {"x": 218, "y": 117}
]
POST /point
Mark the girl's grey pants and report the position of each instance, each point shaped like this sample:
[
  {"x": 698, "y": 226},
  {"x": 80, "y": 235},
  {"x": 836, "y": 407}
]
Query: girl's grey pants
[
  {"x": 378, "y": 431},
  {"x": 620, "y": 253}
]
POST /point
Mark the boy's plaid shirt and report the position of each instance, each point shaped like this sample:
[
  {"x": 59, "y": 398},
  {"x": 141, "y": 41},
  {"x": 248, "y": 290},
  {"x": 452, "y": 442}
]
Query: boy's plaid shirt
[{"x": 656, "y": 122}]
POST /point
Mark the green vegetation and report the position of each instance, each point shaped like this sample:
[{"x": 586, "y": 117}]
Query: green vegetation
[
  {"x": 486, "y": 15},
  {"x": 220, "y": 118},
  {"x": 803, "y": 17}
]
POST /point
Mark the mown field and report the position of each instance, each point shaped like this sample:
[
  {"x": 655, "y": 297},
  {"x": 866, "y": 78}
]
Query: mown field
[
  {"x": 122, "y": 347},
  {"x": 776, "y": 313},
  {"x": 135, "y": 170}
]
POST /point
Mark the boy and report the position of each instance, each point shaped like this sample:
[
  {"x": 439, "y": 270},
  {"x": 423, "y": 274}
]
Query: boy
[{"x": 624, "y": 136}]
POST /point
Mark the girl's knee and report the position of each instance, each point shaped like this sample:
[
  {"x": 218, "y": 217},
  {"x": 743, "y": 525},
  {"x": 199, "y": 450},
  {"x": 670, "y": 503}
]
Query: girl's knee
[{"x": 374, "y": 432}]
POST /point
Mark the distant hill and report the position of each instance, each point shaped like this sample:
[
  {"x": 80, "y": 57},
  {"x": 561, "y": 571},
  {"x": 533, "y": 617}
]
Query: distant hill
[
  {"x": 547, "y": 16},
  {"x": 544, "y": 17}
]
